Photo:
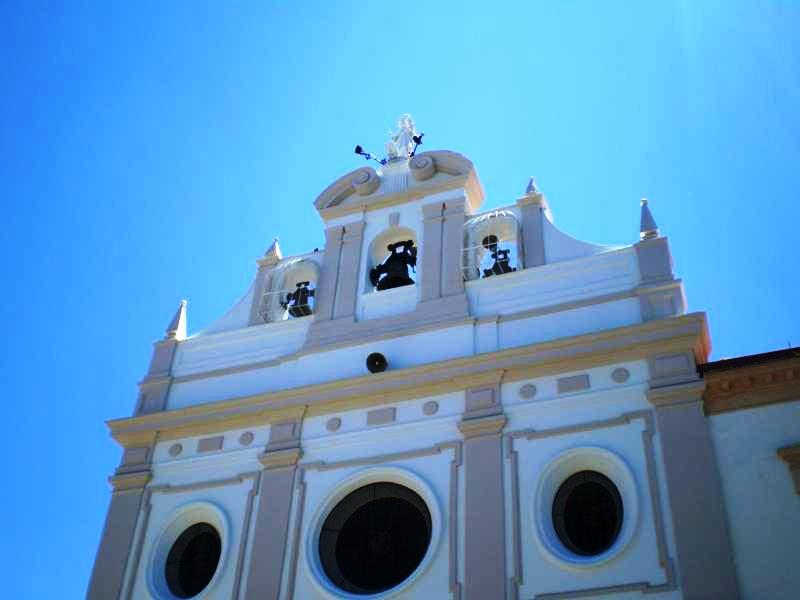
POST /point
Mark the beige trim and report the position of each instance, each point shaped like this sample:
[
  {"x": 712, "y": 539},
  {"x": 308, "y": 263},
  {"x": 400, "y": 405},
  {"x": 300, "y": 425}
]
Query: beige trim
[
  {"x": 472, "y": 428},
  {"x": 277, "y": 459},
  {"x": 455, "y": 464},
  {"x": 752, "y": 386},
  {"x": 170, "y": 489},
  {"x": 130, "y": 481},
  {"x": 525, "y": 362},
  {"x": 791, "y": 456},
  {"x": 664, "y": 560},
  {"x": 684, "y": 393}
]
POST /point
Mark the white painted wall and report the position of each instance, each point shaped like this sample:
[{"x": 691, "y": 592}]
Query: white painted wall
[{"x": 762, "y": 505}]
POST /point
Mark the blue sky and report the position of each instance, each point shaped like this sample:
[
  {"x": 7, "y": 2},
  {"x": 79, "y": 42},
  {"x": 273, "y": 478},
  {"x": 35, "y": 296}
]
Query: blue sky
[{"x": 150, "y": 152}]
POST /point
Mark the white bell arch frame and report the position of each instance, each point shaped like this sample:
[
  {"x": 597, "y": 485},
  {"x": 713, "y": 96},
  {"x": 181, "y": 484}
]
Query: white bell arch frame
[
  {"x": 377, "y": 251},
  {"x": 501, "y": 223},
  {"x": 284, "y": 279}
]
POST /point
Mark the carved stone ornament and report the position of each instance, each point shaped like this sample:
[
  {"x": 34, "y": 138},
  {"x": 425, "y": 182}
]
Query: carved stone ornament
[
  {"x": 422, "y": 167},
  {"x": 175, "y": 450},
  {"x": 527, "y": 391},
  {"x": 246, "y": 438},
  {"x": 431, "y": 407},
  {"x": 365, "y": 181},
  {"x": 620, "y": 375},
  {"x": 333, "y": 424}
]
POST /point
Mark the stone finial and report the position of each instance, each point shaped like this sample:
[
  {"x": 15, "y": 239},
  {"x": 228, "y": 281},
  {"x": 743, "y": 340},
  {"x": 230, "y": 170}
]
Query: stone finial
[
  {"x": 273, "y": 254},
  {"x": 532, "y": 187},
  {"x": 176, "y": 330},
  {"x": 648, "y": 228}
]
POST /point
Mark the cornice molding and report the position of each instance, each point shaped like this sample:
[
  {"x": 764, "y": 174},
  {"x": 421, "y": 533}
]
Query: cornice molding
[
  {"x": 686, "y": 333},
  {"x": 472, "y": 428},
  {"x": 673, "y": 395},
  {"x": 130, "y": 481},
  {"x": 277, "y": 459},
  {"x": 752, "y": 386}
]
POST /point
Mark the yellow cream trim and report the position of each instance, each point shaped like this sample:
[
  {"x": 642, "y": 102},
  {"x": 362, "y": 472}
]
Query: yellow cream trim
[{"x": 686, "y": 333}]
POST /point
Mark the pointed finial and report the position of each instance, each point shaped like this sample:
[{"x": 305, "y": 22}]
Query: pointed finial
[
  {"x": 176, "y": 330},
  {"x": 532, "y": 187},
  {"x": 273, "y": 254},
  {"x": 647, "y": 228}
]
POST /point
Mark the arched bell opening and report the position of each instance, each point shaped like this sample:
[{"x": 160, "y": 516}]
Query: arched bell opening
[
  {"x": 392, "y": 260},
  {"x": 492, "y": 245},
  {"x": 292, "y": 291}
]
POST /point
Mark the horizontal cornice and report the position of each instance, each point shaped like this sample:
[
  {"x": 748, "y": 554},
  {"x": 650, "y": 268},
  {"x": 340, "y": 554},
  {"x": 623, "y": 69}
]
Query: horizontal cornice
[
  {"x": 750, "y": 386},
  {"x": 685, "y": 333}
]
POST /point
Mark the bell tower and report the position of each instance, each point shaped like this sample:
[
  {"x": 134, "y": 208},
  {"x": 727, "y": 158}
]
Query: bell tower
[{"x": 427, "y": 407}]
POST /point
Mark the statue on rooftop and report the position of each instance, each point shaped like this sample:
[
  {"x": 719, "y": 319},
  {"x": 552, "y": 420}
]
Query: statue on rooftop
[{"x": 401, "y": 143}]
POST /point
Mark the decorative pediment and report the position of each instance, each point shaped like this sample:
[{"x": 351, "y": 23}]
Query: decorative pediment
[{"x": 400, "y": 181}]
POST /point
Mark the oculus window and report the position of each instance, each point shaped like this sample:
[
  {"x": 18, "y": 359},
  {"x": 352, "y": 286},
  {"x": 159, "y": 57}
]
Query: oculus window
[
  {"x": 193, "y": 560},
  {"x": 587, "y": 513},
  {"x": 375, "y": 538}
]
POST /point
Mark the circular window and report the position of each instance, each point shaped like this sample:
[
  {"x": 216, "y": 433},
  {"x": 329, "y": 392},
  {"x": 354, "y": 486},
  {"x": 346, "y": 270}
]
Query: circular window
[
  {"x": 375, "y": 538},
  {"x": 192, "y": 560},
  {"x": 587, "y": 513}
]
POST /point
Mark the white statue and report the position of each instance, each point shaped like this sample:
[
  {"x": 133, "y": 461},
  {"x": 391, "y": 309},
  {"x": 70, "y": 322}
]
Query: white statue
[{"x": 401, "y": 143}]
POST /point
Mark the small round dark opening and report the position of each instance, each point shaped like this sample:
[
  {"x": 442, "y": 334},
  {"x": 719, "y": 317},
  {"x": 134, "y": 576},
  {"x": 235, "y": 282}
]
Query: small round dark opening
[
  {"x": 193, "y": 560},
  {"x": 587, "y": 513},
  {"x": 375, "y": 538}
]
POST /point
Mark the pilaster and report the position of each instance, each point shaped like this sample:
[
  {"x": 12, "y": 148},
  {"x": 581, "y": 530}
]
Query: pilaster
[
  {"x": 329, "y": 275},
  {"x": 484, "y": 531},
  {"x": 431, "y": 271},
  {"x": 453, "y": 246},
  {"x": 349, "y": 265},
  {"x": 128, "y": 483},
  {"x": 272, "y": 511},
  {"x": 531, "y": 208},
  {"x": 703, "y": 547}
]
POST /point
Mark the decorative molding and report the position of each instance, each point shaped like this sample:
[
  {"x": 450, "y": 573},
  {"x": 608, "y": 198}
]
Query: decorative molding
[
  {"x": 134, "y": 480},
  {"x": 170, "y": 489},
  {"x": 278, "y": 459},
  {"x": 333, "y": 424},
  {"x": 674, "y": 395},
  {"x": 520, "y": 363},
  {"x": 752, "y": 386},
  {"x": 527, "y": 391},
  {"x": 456, "y": 447},
  {"x": 664, "y": 559},
  {"x": 431, "y": 407},
  {"x": 472, "y": 428},
  {"x": 791, "y": 456},
  {"x": 620, "y": 375},
  {"x": 381, "y": 416},
  {"x": 212, "y": 444},
  {"x": 573, "y": 383},
  {"x": 246, "y": 438}
]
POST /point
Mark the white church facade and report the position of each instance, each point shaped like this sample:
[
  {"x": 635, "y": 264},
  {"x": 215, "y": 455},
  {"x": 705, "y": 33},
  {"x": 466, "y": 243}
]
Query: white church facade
[{"x": 445, "y": 403}]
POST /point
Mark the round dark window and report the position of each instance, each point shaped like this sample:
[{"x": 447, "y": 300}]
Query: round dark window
[
  {"x": 193, "y": 560},
  {"x": 587, "y": 513},
  {"x": 375, "y": 538}
]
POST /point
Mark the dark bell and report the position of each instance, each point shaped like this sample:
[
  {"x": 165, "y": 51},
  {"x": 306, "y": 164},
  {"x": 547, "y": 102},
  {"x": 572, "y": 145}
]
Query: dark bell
[
  {"x": 376, "y": 363},
  {"x": 490, "y": 242}
]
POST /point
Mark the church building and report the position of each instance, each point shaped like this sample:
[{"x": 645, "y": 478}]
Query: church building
[{"x": 451, "y": 403}]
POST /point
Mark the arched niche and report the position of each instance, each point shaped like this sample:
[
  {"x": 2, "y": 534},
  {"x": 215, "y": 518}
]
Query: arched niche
[
  {"x": 492, "y": 245},
  {"x": 379, "y": 252},
  {"x": 291, "y": 292}
]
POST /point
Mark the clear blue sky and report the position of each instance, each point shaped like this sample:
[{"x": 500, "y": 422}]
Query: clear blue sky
[{"x": 150, "y": 151}]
